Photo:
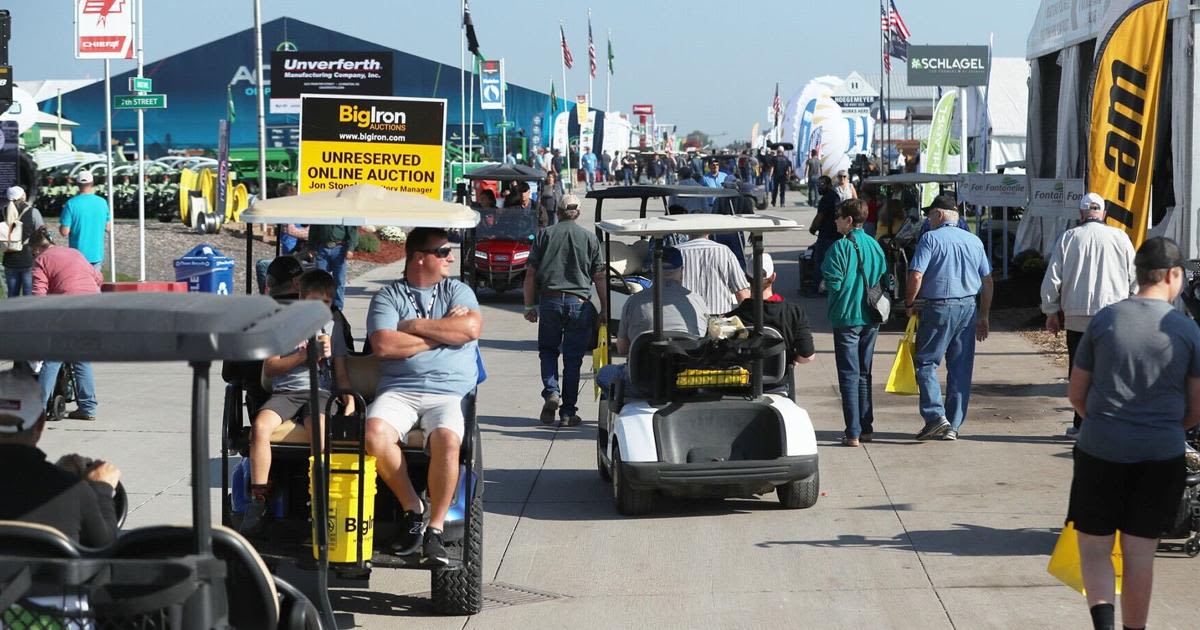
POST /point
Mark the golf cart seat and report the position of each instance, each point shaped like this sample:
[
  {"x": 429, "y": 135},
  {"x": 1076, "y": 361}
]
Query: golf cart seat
[
  {"x": 626, "y": 259},
  {"x": 777, "y": 370},
  {"x": 256, "y": 598},
  {"x": 35, "y": 539},
  {"x": 641, "y": 368}
]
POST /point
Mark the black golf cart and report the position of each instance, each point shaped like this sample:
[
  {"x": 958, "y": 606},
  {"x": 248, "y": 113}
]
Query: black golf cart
[
  {"x": 197, "y": 577},
  {"x": 457, "y": 588}
]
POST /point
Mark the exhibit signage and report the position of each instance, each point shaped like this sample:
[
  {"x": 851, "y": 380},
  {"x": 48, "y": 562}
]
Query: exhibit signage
[
  {"x": 358, "y": 73},
  {"x": 995, "y": 190},
  {"x": 103, "y": 30},
  {"x": 959, "y": 66},
  {"x": 491, "y": 84},
  {"x": 398, "y": 143}
]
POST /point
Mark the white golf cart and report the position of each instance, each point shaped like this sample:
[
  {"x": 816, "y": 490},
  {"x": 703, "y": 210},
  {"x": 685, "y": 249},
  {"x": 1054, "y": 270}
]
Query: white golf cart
[{"x": 692, "y": 419}]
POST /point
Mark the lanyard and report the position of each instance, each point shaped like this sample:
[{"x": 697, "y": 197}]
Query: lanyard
[{"x": 422, "y": 313}]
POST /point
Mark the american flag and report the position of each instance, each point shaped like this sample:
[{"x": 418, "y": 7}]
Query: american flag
[
  {"x": 568, "y": 61},
  {"x": 777, "y": 105},
  {"x": 591, "y": 49},
  {"x": 895, "y": 32}
]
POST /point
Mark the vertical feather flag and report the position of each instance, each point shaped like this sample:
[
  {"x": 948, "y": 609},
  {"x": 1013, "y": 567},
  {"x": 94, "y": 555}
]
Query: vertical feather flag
[
  {"x": 553, "y": 101},
  {"x": 230, "y": 112}
]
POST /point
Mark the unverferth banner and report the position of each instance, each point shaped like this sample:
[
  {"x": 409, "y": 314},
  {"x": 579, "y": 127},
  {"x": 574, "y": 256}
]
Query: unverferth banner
[{"x": 342, "y": 73}]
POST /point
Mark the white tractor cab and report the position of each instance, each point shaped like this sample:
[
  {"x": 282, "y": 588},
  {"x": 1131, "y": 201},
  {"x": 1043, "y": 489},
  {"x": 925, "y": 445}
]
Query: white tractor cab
[
  {"x": 693, "y": 419},
  {"x": 625, "y": 260},
  {"x": 457, "y": 588},
  {"x": 180, "y": 577}
]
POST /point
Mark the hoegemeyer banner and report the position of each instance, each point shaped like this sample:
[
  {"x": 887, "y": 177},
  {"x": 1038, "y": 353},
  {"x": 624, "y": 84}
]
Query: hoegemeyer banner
[
  {"x": 103, "y": 30},
  {"x": 1124, "y": 99},
  {"x": 960, "y": 66},
  {"x": 491, "y": 84},
  {"x": 398, "y": 143},
  {"x": 358, "y": 73},
  {"x": 996, "y": 190}
]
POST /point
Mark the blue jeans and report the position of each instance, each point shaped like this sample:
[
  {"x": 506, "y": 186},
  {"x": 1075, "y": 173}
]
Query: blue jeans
[
  {"x": 947, "y": 329},
  {"x": 85, "y": 384},
  {"x": 333, "y": 260},
  {"x": 610, "y": 374},
  {"x": 565, "y": 326},
  {"x": 812, "y": 192},
  {"x": 18, "y": 281},
  {"x": 627, "y": 177},
  {"x": 590, "y": 178},
  {"x": 779, "y": 191},
  {"x": 854, "y": 351},
  {"x": 819, "y": 249}
]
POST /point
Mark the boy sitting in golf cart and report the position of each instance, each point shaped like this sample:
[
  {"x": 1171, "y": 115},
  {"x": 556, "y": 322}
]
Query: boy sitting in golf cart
[
  {"x": 289, "y": 400},
  {"x": 424, "y": 329}
]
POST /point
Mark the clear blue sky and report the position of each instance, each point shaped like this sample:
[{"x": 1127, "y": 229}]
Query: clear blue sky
[{"x": 704, "y": 64}]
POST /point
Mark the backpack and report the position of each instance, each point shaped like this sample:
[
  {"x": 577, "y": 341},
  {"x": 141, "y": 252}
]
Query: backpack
[{"x": 12, "y": 238}]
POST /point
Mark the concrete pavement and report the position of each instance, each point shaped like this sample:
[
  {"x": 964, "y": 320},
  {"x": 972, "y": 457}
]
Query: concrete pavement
[{"x": 905, "y": 535}]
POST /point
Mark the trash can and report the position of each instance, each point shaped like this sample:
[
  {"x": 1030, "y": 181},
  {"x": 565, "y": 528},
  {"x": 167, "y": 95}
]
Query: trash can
[
  {"x": 343, "y": 522},
  {"x": 206, "y": 270}
]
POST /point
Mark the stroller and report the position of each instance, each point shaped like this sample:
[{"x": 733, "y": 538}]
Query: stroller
[{"x": 63, "y": 393}]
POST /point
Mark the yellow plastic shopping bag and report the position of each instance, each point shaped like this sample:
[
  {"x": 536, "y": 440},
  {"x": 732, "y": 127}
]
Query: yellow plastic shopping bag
[
  {"x": 599, "y": 356},
  {"x": 1064, "y": 562},
  {"x": 903, "y": 379}
]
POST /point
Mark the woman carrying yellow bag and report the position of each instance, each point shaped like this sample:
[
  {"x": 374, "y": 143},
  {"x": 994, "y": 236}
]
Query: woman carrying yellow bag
[
  {"x": 1136, "y": 384},
  {"x": 903, "y": 378}
]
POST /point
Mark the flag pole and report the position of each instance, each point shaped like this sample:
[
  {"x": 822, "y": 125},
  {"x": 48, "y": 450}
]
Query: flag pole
[
  {"x": 108, "y": 162},
  {"x": 567, "y": 137},
  {"x": 462, "y": 81},
  {"x": 591, "y": 55},
  {"x": 882, "y": 106},
  {"x": 471, "y": 115},
  {"x": 608, "y": 73},
  {"x": 260, "y": 81}
]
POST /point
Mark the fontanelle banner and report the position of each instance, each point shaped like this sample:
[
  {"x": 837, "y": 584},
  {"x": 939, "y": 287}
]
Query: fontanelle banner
[
  {"x": 1124, "y": 100},
  {"x": 397, "y": 143},
  {"x": 938, "y": 148}
]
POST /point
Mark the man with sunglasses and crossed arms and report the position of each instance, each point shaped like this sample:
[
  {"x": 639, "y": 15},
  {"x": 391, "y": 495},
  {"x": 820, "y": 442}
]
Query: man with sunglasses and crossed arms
[{"x": 424, "y": 328}]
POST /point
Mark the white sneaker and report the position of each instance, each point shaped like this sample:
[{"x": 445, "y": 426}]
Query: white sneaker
[{"x": 1072, "y": 433}]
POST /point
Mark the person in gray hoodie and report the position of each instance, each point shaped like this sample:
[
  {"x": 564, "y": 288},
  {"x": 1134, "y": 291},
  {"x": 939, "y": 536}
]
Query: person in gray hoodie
[{"x": 1090, "y": 268}]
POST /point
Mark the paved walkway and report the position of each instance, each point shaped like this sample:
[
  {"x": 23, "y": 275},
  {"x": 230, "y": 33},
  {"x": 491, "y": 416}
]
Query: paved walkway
[{"x": 905, "y": 535}]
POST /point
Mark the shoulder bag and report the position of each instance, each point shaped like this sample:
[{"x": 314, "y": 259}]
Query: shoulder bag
[{"x": 879, "y": 304}]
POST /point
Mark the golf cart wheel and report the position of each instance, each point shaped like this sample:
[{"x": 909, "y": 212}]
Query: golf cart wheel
[
  {"x": 605, "y": 475},
  {"x": 1192, "y": 547},
  {"x": 459, "y": 591},
  {"x": 800, "y": 494},
  {"x": 58, "y": 407},
  {"x": 630, "y": 502}
]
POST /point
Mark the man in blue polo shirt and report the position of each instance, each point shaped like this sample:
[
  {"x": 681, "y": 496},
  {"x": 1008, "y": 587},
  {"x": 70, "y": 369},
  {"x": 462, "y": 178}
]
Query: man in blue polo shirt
[
  {"x": 947, "y": 272},
  {"x": 85, "y": 221}
]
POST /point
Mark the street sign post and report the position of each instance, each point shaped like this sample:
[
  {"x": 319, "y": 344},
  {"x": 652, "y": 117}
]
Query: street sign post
[
  {"x": 141, "y": 84},
  {"x": 140, "y": 101}
]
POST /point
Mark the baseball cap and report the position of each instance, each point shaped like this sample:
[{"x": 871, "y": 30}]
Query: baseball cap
[
  {"x": 20, "y": 402},
  {"x": 1086, "y": 202},
  {"x": 280, "y": 274},
  {"x": 842, "y": 172},
  {"x": 942, "y": 202},
  {"x": 672, "y": 259},
  {"x": 768, "y": 266},
  {"x": 568, "y": 202},
  {"x": 1159, "y": 252},
  {"x": 14, "y": 193},
  {"x": 84, "y": 177}
]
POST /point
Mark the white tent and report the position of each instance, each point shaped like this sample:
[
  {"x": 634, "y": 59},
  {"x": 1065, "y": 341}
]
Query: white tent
[{"x": 1006, "y": 117}]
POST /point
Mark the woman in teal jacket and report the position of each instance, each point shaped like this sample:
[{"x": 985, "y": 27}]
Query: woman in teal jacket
[{"x": 852, "y": 264}]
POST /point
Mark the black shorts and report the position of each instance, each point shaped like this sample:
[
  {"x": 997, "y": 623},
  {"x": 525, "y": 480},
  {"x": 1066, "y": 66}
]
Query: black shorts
[
  {"x": 293, "y": 405},
  {"x": 1140, "y": 499}
]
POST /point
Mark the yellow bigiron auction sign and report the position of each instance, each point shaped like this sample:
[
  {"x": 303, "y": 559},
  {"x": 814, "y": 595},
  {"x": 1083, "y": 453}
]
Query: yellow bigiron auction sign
[
  {"x": 1124, "y": 100},
  {"x": 397, "y": 143}
]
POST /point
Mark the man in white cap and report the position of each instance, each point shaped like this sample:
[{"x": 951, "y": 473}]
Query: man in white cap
[
  {"x": 86, "y": 221},
  {"x": 18, "y": 261},
  {"x": 36, "y": 491},
  {"x": 1091, "y": 267}
]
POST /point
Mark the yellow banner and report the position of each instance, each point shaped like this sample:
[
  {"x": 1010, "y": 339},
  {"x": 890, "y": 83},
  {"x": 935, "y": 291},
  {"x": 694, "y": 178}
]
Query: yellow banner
[
  {"x": 413, "y": 168},
  {"x": 1125, "y": 91},
  {"x": 581, "y": 110}
]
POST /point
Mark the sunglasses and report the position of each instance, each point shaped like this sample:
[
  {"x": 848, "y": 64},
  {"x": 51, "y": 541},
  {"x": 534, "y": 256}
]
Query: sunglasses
[{"x": 440, "y": 252}]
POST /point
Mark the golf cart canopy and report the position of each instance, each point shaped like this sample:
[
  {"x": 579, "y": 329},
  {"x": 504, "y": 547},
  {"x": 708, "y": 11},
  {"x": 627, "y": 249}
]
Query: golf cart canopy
[
  {"x": 698, "y": 224},
  {"x": 903, "y": 179},
  {"x": 154, "y": 327},
  {"x": 362, "y": 204},
  {"x": 646, "y": 192},
  {"x": 507, "y": 173}
]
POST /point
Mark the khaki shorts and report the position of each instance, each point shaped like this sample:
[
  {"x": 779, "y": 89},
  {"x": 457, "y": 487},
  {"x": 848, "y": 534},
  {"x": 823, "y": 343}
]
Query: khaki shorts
[{"x": 405, "y": 410}]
